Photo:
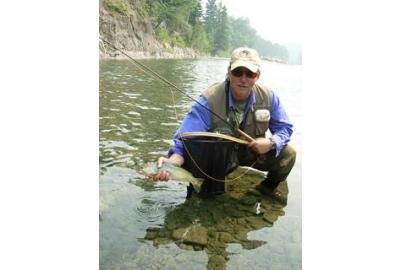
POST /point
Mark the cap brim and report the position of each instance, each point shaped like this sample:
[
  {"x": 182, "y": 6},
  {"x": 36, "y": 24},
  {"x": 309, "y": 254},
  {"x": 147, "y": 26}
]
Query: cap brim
[{"x": 241, "y": 63}]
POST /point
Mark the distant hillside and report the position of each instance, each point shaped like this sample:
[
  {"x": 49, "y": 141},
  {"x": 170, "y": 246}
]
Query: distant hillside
[
  {"x": 127, "y": 26},
  {"x": 180, "y": 28}
]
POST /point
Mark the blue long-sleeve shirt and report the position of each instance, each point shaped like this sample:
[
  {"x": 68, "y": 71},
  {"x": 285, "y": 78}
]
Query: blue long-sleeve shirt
[{"x": 199, "y": 119}]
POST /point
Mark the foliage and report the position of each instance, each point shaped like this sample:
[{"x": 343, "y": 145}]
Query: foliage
[
  {"x": 184, "y": 23},
  {"x": 199, "y": 39},
  {"x": 145, "y": 7},
  {"x": 222, "y": 35},
  {"x": 210, "y": 21},
  {"x": 162, "y": 35},
  {"x": 116, "y": 6},
  {"x": 178, "y": 41}
]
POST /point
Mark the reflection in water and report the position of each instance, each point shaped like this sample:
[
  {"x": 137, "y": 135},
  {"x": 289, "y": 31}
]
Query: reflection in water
[{"x": 212, "y": 224}]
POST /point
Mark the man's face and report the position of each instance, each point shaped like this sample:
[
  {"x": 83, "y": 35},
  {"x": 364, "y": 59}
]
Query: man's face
[{"x": 242, "y": 81}]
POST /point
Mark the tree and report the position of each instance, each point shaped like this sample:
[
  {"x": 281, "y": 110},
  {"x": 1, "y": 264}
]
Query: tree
[
  {"x": 222, "y": 35},
  {"x": 245, "y": 35},
  {"x": 196, "y": 14},
  {"x": 210, "y": 21},
  {"x": 199, "y": 38}
]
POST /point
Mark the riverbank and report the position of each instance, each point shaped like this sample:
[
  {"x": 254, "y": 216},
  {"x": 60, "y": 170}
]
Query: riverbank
[{"x": 166, "y": 52}]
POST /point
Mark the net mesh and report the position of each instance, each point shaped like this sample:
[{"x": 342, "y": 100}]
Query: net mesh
[{"x": 210, "y": 159}]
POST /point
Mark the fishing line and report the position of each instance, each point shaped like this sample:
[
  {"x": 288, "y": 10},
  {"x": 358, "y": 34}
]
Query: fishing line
[
  {"x": 155, "y": 74},
  {"x": 149, "y": 71},
  {"x": 190, "y": 155}
]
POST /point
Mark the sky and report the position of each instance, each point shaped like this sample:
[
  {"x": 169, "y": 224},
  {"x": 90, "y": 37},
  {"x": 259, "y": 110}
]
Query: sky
[{"x": 276, "y": 20}]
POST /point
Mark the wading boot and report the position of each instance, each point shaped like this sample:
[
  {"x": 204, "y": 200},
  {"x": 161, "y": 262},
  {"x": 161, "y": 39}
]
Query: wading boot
[{"x": 273, "y": 190}]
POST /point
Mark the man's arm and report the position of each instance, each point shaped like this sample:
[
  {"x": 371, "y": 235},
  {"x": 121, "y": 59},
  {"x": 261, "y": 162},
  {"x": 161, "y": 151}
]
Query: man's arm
[
  {"x": 280, "y": 125},
  {"x": 198, "y": 119}
]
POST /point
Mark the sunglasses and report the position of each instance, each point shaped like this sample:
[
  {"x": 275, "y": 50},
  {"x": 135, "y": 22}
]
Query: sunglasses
[{"x": 238, "y": 72}]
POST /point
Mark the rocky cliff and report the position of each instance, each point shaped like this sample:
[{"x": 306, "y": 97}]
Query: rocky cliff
[{"x": 126, "y": 26}]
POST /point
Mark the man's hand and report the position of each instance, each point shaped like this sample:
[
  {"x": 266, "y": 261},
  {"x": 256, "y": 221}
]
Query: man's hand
[
  {"x": 164, "y": 175},
  {"x": 261, "y": 145}
]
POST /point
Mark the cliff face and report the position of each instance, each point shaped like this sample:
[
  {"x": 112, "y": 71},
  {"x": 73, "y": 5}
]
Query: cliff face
[{"x": 125, "y": 26}]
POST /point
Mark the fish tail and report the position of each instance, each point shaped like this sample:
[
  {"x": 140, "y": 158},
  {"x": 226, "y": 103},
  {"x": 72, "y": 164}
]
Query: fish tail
[{"x": 196, "y": 185}]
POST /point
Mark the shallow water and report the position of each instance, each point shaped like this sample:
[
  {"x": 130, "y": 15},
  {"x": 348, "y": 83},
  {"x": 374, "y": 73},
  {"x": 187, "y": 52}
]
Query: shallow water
[{"x": 153, "y": 226}]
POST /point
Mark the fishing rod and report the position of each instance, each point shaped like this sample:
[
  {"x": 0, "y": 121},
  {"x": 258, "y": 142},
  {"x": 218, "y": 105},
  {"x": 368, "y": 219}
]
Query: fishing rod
[{"x": 155, "y": 74}]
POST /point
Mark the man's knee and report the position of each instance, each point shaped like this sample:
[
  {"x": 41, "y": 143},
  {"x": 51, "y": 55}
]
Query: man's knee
[{"x": 288, "y": 157}]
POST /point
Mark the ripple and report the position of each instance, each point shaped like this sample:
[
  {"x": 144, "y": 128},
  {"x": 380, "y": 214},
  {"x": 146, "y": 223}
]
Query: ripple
[
  {"x": 106, "y": 130},
  {"x": 169, "y": 142},
  {"x": 124, "y": 162},
  {"x": 134, "y": 113},
  {"x": 169, "y": 124},
  {"x": 124, "y": 130},
  {"x": 138, "y": 140},
  {"x": 149, "y": 211},
  {"x": 158, "y": 153},
  {"x": 115, "y": 144},
  {"x": 156, "y": 109}
]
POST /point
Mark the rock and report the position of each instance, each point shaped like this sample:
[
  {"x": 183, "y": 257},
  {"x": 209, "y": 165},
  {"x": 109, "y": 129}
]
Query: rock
[
  {"x": 161, "y": 241},
  {"x": 216, "y": 262},
  {"x": 134, "y": 33},
  {"x": 195, "y": 234},
  {"x": 185, "y": 247},
  {"x": 255, "y": 222},
  {"x": 225, "y": 237},
  {"x": 150, "y": 235},
  {"x": 249, "y": 200},
  {"x": 254, "y": 192},
  {"x": 270, "y": 217},
  {"x": 197, "y": 247},
  {"x": 252, "y": 244}
]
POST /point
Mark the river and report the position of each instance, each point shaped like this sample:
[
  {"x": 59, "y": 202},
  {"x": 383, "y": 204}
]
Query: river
[{"x": 140, "y": 221}]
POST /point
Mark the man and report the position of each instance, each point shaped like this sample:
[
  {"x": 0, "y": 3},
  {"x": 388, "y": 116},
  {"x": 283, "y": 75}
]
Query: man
[{"x": 252, "y": 108}]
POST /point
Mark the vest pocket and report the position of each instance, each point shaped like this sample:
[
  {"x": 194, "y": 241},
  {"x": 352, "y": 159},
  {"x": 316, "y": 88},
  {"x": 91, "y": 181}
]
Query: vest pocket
[
  {"x": 261, "y": 128},
  {"x": 254, "y": 128}
]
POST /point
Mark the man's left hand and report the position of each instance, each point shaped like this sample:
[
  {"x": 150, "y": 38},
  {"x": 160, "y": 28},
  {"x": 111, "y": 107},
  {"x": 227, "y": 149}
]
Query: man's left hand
[{"x": 261, "y": 145}]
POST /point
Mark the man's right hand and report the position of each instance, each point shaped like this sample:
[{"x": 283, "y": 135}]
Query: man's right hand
[
  {"x": 161, "y": 175},
  {"x": 175, "y": 159}
]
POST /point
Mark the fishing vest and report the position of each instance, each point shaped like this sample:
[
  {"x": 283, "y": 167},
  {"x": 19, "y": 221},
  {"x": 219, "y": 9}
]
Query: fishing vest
[{"x": 256, "y": 120}]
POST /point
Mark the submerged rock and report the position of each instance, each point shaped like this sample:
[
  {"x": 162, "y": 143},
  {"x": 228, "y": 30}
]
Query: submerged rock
[
  {"x": 249, "y": 200},
  {"x": 270, "y": 217},
  {"x": 224, "y": 237},
  {"x": 194, "y": 234},
  {"x": 216, "y": 262}
]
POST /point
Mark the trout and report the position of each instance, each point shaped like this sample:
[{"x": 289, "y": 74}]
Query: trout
[{"x": 176, "y": 173}]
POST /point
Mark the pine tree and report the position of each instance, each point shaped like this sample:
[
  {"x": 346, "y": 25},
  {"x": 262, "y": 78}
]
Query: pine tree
[
  {"x": 222, "y": 35},
  {"x": 210, "y": 20}
]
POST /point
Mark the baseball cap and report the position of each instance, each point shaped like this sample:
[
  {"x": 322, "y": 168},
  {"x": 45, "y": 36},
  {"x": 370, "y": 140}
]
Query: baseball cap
[{"x": 245, "y": 57}]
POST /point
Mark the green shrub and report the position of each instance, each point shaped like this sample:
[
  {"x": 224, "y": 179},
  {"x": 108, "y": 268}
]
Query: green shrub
[
  {"x": 162, "y": 35},
  {"x": 116, "y": 6},
  {"x": 145, "y": 7},
  {"x": 178, "y": 41}
]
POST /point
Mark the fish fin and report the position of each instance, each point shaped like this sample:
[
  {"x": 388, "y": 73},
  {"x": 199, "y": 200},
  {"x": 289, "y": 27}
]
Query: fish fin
[
  {"x": 197, "y": 185},
  {"x": 251, "y": 170}
]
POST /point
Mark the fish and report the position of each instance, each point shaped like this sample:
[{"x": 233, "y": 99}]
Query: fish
[
  {"x": 176, "y": 173},
  {"x": 251, "y": 171}
]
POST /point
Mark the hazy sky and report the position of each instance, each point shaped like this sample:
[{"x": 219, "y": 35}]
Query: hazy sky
[{"x": 275, "y": 20}]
